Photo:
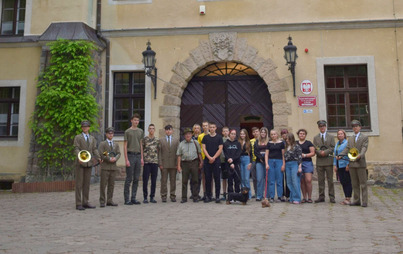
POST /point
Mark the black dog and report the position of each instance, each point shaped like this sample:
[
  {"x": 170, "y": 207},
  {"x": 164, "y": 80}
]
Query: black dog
[{"x": 242, "y": 197}]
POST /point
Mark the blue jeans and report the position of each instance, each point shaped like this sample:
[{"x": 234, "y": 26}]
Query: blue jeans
[
  {"x": 276, "y": 177},
  {"x": 293, "y": 180},
  {"x": 245, "y": 173},
  {"x": 260, "y": 179}
]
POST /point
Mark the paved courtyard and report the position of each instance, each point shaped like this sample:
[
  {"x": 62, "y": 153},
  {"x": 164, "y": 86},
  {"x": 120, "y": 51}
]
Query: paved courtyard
[{"x": 49, "y": 223}]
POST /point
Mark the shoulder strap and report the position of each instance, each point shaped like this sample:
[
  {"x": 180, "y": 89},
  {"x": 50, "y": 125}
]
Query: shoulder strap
[{"x": 194, "y": 142}]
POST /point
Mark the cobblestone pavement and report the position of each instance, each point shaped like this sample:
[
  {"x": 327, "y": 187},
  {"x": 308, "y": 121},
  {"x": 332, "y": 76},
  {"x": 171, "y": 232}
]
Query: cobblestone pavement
[{"x": 49, "y": 223}]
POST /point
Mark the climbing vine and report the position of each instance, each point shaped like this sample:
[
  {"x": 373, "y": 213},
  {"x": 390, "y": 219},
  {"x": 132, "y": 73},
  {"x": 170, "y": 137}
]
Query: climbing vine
[{"x": 66, "y": 98}]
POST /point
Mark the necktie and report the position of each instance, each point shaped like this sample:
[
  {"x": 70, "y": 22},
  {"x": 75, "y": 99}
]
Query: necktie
[
  {"x": 110, "y": 145},
  {"x": 169, "y": 140},
  {"x": 323, "y": 138},
  {"x": 88, "y": 139},
  {"x": 355, "y": 137}
]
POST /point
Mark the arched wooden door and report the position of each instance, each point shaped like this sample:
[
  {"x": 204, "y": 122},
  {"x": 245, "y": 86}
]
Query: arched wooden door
[{"x": 226, "y": 99}]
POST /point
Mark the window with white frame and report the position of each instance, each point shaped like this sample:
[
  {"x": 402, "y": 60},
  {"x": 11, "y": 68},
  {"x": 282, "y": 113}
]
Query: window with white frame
[
  {"x": 128, "y": 98},
  {"x": 347, "y": 95},
  {"x": 347, "y": 91},
  {"x": 12, "y": 17},
  {"x": 9, "y": 112},
  {"x": 112, "y": 2}
]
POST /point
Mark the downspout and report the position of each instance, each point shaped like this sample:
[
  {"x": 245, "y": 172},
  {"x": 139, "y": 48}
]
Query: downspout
[{"x": 107, "y": 62}]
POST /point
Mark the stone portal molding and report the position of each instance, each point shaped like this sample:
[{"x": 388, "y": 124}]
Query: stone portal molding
[{"x": 218, "y": 48}]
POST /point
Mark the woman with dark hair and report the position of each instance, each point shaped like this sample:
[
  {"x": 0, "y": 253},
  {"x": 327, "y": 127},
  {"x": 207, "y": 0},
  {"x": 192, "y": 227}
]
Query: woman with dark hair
[
  {"x": 308, "y": 151},
  {"x": 341, "y": 167},
  {"x": 275, "y": 165},
  {"x": 260, "y": 151},
  {"x": 286, "y": 190},
  {"x": 246, "y": 159},
  {"x": 293, "y": 160},
  {"x": 232, "y": 152}
]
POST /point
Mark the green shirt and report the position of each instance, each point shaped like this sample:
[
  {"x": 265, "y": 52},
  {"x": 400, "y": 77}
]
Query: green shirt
[
  {"x": 188, "y": 150},
  {"x": 133, "y": 139}
]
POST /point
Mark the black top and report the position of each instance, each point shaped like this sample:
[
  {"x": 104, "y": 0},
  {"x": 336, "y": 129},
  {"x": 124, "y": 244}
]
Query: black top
[
  {"x": 260, "y": 152},
  {"x": 246, "y": 153},
  {"x": 275, "y": 150},
  {"x": 293, "y": 155},
  {"x": 232, "y": 149},
  {"x": 212, "y": 144},
  {"x": 305, "y": 149}
]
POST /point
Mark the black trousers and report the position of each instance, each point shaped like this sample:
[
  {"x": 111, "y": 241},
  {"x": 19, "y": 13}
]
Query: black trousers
[
  {"x": 345, "y": 181},
  {"x": 211, "y": 170},
  {"x": 150, "y": 169},
  {"x": 234, "y": 178}
]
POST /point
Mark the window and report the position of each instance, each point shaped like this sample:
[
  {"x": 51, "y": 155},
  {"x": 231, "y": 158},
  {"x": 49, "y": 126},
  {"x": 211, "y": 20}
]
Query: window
[
  {"x": 9, "y": 111},
  {"x": 128, "y": 98},
  {"x": 347, "y": 95},
  {"x": 13, "y": 17},
  {"x": 130, "y": 2}
]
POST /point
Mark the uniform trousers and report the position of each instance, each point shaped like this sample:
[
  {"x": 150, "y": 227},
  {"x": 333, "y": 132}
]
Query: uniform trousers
[
  {"x": 107, "y": 180},
  {"x": 83, "y": 179},
  {"x": 190, "y": 168},
  {"x": 359, "y": 183},
  {"x": 171, "y": 172},
  {"x": 328, "y": 170}
]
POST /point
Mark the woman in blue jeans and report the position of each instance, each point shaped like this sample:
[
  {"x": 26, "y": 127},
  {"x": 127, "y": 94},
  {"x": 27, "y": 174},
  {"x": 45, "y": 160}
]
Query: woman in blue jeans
[
  {"x": 293, "y": 160},
  {"x": 260, "y": 151},
  {"x": 275, "y": 166},
  {"x": 246, "y": 159}
]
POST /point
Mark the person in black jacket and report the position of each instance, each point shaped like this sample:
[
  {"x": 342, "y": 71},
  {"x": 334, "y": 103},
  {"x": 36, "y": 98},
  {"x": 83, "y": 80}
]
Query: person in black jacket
[{"x": 232, "y": 152}]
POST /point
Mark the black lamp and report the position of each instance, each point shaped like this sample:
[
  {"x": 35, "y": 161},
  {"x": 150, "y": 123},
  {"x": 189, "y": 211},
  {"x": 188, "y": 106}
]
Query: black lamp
[
  {"x": 149, "y": 66},
  {"x": 290, "y": 55}
]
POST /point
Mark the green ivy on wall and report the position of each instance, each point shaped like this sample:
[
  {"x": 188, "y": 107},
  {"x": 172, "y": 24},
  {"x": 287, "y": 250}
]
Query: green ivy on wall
[{"x": 66, "y": 98}]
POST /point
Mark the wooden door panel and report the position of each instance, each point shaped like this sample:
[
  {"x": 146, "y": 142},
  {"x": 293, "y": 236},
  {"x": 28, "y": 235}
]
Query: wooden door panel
[
  {"x": 214, "y": 113},
  {"x": 193, "y": 94}
]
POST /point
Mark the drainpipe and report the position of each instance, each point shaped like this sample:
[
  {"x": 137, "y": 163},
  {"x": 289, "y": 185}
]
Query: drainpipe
[{"x": 107, "y": 62}]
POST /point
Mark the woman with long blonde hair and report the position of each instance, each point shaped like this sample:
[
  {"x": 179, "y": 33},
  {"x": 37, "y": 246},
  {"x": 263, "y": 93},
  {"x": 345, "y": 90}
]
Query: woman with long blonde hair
[
  {"x": 275, "y": 165},
  {"x": 260, "y": 151}
]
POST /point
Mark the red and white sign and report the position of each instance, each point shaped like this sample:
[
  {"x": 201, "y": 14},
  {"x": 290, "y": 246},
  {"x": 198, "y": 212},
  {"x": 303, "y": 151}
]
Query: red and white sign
[
  {"x": 306, "y": 87},
  {"x": 307, "y": 101}
]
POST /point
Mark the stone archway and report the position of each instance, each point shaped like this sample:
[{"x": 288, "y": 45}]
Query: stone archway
[{"x": 223, "y": 47}]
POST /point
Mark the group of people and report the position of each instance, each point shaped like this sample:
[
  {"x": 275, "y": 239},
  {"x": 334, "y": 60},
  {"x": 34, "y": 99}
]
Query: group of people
[{"x": 281, "y": 166}]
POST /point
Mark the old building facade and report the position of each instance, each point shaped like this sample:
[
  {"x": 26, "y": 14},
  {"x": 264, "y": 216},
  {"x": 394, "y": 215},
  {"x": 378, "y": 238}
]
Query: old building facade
[{"x": 225, "y": 64}]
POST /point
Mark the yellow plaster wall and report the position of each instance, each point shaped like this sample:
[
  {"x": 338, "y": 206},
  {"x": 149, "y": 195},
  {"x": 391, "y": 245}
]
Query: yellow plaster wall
[
  {"x": 325, "y": 43},
  {"x": 19, "y": 64},
  {"x": 185, "y": 13},
  {"x": 44, "y": 12}
]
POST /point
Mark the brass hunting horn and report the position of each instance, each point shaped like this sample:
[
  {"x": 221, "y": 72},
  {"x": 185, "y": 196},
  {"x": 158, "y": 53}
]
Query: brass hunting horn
[
  {"x": 353, "y": 154},
  {"x": 84, "y": 156}
]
